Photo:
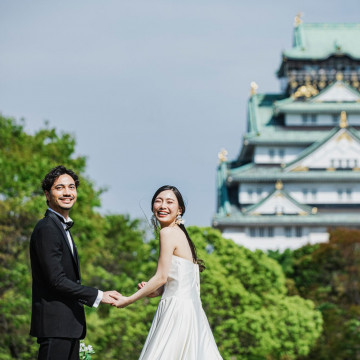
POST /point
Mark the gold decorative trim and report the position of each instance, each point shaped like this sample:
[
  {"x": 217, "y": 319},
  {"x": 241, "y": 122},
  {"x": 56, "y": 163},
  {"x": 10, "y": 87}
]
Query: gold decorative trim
[
  {"x": 306, "y": 91},
  {"x": 343, "y": 120},
  {"x": 300, "y": 168},
  {"x": 253, "y": 87},
  {"x": 279, "y": 185},
  {"x": 222, "y": 155},
  {"x": 298, "y": 20},
  {"x": 314, "y": 210},
  {"x": 339, "y": 76},
  {"x": 344, "y": 136}
]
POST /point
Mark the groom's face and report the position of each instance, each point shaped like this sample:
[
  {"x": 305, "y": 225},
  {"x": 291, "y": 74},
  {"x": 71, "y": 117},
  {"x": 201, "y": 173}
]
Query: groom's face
[{"x": 62, "y": 195}]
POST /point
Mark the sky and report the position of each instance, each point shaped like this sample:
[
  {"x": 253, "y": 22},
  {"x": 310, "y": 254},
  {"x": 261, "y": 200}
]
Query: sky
[{"x": 151, "y": 90}]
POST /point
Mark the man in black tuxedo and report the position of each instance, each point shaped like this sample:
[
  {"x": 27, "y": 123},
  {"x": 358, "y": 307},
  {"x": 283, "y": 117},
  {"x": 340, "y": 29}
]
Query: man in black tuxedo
[{"x": 58, "y": 298}]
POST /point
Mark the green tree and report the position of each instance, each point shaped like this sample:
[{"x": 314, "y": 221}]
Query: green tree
[
  {"x": 244, "y": 293},
  {"x": 111, "y": 248},
  {"x": 329, "y": 274},
  {"x": 21, "y": 204}
]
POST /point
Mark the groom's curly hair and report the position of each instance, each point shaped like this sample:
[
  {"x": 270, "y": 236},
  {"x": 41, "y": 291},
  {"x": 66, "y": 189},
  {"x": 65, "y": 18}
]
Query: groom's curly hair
[{"x": 54, "y": 173}]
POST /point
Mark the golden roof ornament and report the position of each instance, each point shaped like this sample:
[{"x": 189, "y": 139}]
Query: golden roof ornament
[
  {"x": 339, "y": 76},
  {"x": 222, "y": 155},
  {"x": 306, "y": 91},
  {"x": 343, "y": 120},
  {"x": 279, "y": 185},
  {"x": 321, "y": 84},
  {"x": 298, "y": 19},
  {"x": 253, "y": 87}
]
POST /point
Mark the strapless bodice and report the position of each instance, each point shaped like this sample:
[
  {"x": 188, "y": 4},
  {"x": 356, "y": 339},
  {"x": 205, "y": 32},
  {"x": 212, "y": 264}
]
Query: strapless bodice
[{"x": 183, "y": 279}]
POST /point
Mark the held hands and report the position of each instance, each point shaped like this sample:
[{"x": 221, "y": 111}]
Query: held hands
[
  {"x": 109, "y": 296},
  {"x": 114, "y": 298},
  {"x": 120, "y": 302}
]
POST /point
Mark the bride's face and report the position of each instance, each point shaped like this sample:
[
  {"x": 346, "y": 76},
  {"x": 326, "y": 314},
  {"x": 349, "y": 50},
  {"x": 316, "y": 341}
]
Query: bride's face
[{"x": 166, "y": 208}]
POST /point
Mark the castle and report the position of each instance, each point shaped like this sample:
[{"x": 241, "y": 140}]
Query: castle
[{"x": 298, "y": 171}]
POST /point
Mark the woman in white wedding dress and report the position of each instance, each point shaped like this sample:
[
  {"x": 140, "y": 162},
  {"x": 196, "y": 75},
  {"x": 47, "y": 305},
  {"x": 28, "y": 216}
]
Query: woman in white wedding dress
[{"x": 180, "y": 329}]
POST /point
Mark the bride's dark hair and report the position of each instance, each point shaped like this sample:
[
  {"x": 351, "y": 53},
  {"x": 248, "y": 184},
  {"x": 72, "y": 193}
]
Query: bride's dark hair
[{"x": 182, "y": 226}]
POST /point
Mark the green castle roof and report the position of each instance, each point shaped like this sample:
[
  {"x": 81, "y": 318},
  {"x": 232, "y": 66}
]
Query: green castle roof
[
  {"x": 291, "y": 106},
  {"x": 266, "y": 127},
  {"x": 319, "y": 41},
  {"x": 257, "y": 174},
  {"x": 305, "y": 208}
]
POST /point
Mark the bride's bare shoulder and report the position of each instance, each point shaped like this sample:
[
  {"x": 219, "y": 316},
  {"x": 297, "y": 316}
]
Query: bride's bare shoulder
[{"x": 170, "y": 231}]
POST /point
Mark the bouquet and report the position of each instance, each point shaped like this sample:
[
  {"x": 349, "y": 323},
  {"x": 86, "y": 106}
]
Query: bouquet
[{"x": 85, "y": 351}]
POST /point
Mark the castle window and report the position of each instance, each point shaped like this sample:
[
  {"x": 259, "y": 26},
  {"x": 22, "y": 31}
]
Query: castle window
[
  {"x": 304, "y": 118},
  {"x": 252, "y": 232},
  {"x": 271, "y": 153},
  {"x": 271, "y": 232},
  {"x": 305, "y": 193},
  {"x": 281, "y": 153},
  {"x": 348, "y": 194},
  {"x": 313, "y": 118},
  {"x": 340, "y": 193},
  {"x": 298, "y": 231},
  {"x": 261, "y": 232},
  {"x": 288, "y": 231},
  {"x": 313, "y": 193},
  {"x": 335, "y": 118}
]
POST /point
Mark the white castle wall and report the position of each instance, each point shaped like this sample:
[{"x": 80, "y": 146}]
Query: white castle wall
[
  {"x": 304, "y": 193},
  {"x": 276, "y": 155},
  {"x": 280, "y": 239},
  {"x": 320, "y": 119}
]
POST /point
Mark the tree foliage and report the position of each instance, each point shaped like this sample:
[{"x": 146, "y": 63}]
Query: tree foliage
[
  {"x": 244, "y": 293},
  {"x": 329, "y": 275}
]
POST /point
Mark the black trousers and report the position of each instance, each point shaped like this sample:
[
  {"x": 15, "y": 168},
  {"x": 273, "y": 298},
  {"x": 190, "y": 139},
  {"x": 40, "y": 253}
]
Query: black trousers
[{"x": 58, "y": 349}]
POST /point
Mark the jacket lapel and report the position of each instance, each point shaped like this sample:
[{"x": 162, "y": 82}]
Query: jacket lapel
[
  {"x": 60, "y": 226},
  {"x": 76, "y": 256}
]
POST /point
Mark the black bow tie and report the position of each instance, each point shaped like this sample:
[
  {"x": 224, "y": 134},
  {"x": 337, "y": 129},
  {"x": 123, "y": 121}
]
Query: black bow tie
[{"x": 68, "y": 224}]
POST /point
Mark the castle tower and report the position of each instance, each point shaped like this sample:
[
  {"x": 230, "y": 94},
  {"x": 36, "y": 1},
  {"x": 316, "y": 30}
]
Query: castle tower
[{"x": 298, "y": 171}]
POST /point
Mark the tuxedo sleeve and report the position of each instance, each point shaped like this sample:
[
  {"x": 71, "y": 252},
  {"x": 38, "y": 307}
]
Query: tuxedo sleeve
[{"x": 49, "y": 247}]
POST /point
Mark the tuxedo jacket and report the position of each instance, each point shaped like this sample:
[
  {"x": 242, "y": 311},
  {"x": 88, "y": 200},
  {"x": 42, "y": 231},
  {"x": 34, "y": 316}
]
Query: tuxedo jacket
[{"x": 58, "y": 298}]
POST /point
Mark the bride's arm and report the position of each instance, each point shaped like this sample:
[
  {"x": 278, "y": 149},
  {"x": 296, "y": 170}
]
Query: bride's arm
[
  {"x": 157, "y": 292},
  {"x": 167, "y": 247}
]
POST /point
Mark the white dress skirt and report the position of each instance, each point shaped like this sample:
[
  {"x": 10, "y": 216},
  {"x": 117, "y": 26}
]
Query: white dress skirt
[{"x": 180, "y": 329}]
